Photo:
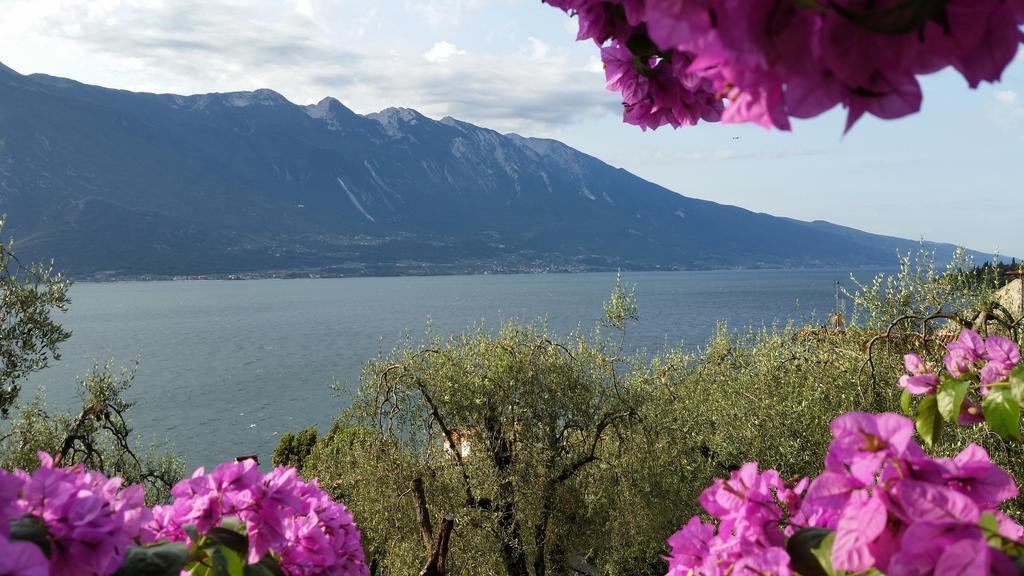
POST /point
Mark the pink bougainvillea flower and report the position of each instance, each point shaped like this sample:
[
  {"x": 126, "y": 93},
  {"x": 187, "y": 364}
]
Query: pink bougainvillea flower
[
  {"x": 302, "y": 525},
  {"x": 89, "y": 520},
  {"x": 893, "y": 508},
  {"x": 622, "y": 76},
  {"x": 976, "y": 476},
  {"x": 10, "y": 490},
  {"x": 970, "y": 473},
  {"x": 861, "y": 522},
  {"x": 688, "y": 26},
  {"x": 967, "y": 351},
  {"x": 1002, "y": 355},
  {"x": 916, "y": 501},
  {"x": 747, "y": 502},
  {"x": 766, "y": 108},
  {"x": 750, "y": 508},
  {"x": 597, "y": 19},
  {"x": 863, "y": 443},
  {"x": 265, "y": 520},
  {"x": 921, "y": 380},
  {"x": 970, "y": 413},
  {"x": 948, "y": 548},
  {"x": 812, "y": 89},
  {"x": 772, "y": 561},
  {"x": 997, "y": 48},
  {"x": 689, "y": 547},
  {"x": 1008, "y": 528},
  {"x": 884, "y": 95},
  {"x": 864, "y": 55},
  {"x": 22, "y": 559}
]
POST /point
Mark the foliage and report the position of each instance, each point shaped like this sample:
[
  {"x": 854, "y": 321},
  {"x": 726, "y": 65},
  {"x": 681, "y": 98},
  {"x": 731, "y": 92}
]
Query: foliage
[
  {"x": 997, "y": 273},
  {"x": 919, "y": 289},
  {"x": 29, "y": 336},
  {"x": 621, "y": 308},
  {"x": 767, "y": 61},
  {"x": 98, "y": 436},
  {"x": 523, "y": 415},
  {"x": 293, "y": 449}
]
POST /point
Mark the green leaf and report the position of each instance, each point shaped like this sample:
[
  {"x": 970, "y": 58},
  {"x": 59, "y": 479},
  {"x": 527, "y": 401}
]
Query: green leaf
[
  {"x": 905, "y": 403},
  {"x": 31, "y": 529},
  {"x": 1017, "y": 384},
  {"x": 267, "y": 566},
  {"x": 824, "y": 553},
  {"x": 165, "y": 559},
  {"x": 929, "y": 421},
  {"x": 1002, "y": 412},
  {"x": 226, "y": 562},
  {"x": 219, "y": 536},
  {"x": 232, "y": 523},
  {"x": 219, "y": 561},
  {"x": 950, "y": 397},
  {"x": 989, "y": 523},
  {"x": 810, "y": 551}
]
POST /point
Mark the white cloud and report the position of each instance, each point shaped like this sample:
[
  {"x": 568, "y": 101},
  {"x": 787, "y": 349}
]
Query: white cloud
[
  {"x": 711, "y": 155},
  {"x": 441, "y": 14},
  {"x": 442, "y": 52},
  {"x": 304, "y": 8},
  {"x": 1009, "y": 113},
  {"x": 538, "y": 48},
  {"x": 197, "y": 46},
  {"x": 1008, "y": 97}
]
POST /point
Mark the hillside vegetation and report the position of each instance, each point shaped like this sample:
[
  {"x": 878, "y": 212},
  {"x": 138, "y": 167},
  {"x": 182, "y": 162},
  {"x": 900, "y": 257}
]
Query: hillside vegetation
[{"x": 555, "y": 453}]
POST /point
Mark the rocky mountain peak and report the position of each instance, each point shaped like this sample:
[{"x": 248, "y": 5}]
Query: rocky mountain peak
[{"x": 259, "y": 97}]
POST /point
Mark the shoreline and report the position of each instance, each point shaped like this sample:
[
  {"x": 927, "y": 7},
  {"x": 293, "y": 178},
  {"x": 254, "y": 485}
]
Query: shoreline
[{"x": 309, "y": 275}]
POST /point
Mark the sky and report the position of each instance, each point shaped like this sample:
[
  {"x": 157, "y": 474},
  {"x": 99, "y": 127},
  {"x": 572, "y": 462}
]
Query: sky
[{"x": 952, "y": 173}]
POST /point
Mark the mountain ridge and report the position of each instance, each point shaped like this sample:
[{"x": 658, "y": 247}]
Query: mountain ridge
[{"x": 113, "y": 183}]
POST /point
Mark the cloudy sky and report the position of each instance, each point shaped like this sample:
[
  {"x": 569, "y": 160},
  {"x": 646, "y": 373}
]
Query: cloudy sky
[{"x": 953, "y": 173}]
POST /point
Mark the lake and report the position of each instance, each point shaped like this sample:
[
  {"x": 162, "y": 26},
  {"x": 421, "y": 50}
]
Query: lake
[{"x": 226, "y": 367}]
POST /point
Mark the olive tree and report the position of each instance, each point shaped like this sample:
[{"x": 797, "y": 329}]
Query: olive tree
[
  {"x": 30, "y": 337},
  {"x": 498, "y": 429},
  {"x": 97, "y": 435}
]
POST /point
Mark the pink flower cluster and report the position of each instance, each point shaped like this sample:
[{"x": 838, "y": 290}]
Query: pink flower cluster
[
  {"x": 677, "y": 62},
  {"x": 891, "y": 508},
  {"x": 992, "y": 358},
  {"x": 751, "y": 509},
  {"x": 89, "y": 519},
  {"x": 295, "y": 520}
]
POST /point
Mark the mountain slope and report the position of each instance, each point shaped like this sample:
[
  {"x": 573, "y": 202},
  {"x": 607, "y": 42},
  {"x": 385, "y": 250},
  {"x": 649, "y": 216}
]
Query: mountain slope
[{"x": 110, "y": 182}]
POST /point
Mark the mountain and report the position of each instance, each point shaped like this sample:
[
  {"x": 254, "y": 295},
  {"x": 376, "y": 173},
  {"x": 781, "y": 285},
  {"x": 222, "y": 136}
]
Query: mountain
[{"x": 112, "y": 183}]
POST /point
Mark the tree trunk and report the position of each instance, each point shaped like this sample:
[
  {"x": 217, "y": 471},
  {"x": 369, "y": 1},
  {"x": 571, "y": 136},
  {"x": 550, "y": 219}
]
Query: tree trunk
[
  {"x": 540, "y": 535},
  {"x": 436, "y": 563},
  {"x": 513, "y": 553},
  {"x": 422, "y": 515},
  {"x": 437, "y": 548}
]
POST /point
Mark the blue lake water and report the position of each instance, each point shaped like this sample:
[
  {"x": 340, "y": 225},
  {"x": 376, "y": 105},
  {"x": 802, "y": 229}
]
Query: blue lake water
[{"x": 226, "y": 367}]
